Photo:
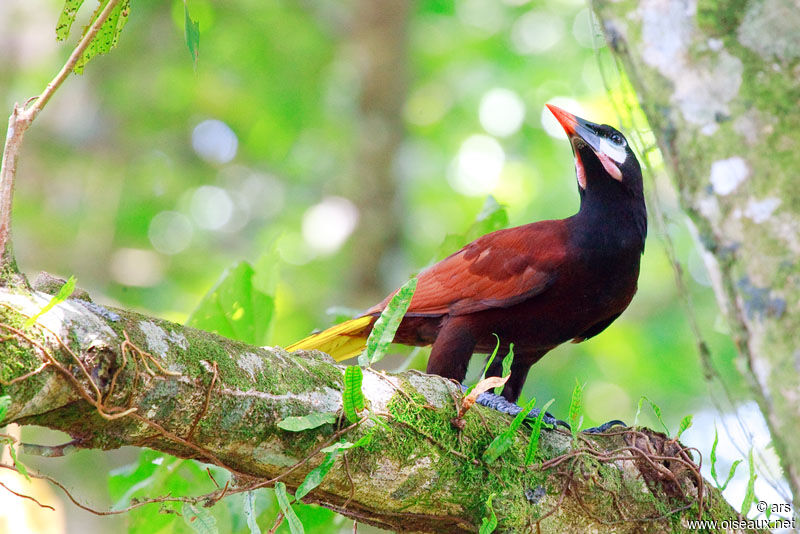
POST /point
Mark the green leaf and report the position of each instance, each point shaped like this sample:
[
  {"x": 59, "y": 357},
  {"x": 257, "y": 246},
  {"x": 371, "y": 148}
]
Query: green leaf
[
  {"x": 713, "y": 457},
  {"x": 192, "y": 32},
  {"x": 503, "y": 442},
  {"x": 385, "y": 327},
  {"x": 731, "y": 472},
  {"x": 507, "y": 361},
  {"x": 656, "y": 410},
  {"x": 344, "y": 445},
  {"x": 315, "y": 476},
  {"x": 199, "y": 518},
  {"x": 108, "y": 34},
  {"x": 489, "y": 523},
  {"x": 19, "y": 465},
  {"x": 295, "y": 526},
  {"x": 749, "y": 495},
  {"x": 62, "y": 295},
  {"x": 237, "y": 306},
  {"x": 352, "y": 396},
  {"x": 5, "y": 402},
  {"x": 533, "y": 444},
  {"x": 250, "y": 514},
  {"x": 67, "y": 18},
  {"x": 493, "y": 216},
  {"x": 576, "y": 407},
  {"x": 306, "y": 422},
  {"x": 486, "y": 367},
  {"x": 686, "y": 422}
]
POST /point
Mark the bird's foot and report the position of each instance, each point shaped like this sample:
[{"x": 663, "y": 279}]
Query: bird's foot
[
  {"x": 501, "y": 404},
  {"x": 605, "y": 427}
]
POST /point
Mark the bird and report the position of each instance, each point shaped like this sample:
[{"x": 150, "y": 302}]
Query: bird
[{"x": 537, "y": 285}]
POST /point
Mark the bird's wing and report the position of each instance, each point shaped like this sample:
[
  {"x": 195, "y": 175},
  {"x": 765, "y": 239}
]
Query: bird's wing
[{"x": 495, "y": 271}]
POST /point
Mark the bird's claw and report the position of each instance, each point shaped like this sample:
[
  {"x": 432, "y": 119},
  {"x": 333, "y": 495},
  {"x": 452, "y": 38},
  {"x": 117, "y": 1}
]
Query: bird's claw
[
  {"x": 501, "y": 404},
  {"x": 605, "y": 427}
]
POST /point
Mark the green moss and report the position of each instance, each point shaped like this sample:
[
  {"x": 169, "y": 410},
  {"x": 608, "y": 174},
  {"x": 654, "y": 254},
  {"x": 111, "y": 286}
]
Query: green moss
[{"x": 720, "y": 18}]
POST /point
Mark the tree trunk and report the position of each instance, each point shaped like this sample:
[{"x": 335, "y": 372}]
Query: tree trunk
[
  {"x": 719, "y": 82},
  {"x": 197, "y": 395}
]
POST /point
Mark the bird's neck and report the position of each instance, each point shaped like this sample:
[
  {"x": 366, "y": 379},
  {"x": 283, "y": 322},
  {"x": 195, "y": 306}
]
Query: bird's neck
[{"x": 611, "y": 219}]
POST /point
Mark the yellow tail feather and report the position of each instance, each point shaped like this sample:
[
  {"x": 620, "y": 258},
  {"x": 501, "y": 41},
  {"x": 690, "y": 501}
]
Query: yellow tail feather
[{"x": 341, "y": 341}]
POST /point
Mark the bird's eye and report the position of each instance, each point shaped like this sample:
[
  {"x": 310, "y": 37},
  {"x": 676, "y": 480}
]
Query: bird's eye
[{"x": 616, "y": 139}]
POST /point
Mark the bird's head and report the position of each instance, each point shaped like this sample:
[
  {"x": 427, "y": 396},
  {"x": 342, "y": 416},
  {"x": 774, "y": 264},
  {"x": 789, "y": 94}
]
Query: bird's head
[{"x": 601, "y": 153}]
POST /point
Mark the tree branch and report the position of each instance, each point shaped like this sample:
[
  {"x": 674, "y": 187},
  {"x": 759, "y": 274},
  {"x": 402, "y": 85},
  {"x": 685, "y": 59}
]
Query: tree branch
[
  {"x": 18, "y": 123},
  {"x": 117, "y": 378}
]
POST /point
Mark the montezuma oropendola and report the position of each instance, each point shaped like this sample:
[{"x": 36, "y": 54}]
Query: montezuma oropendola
[{"x": 537, "y": 285}]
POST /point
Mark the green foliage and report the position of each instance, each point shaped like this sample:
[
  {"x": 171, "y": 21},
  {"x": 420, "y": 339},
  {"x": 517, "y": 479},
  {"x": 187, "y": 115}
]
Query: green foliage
[
  {"x": 713, "y": 455},
  {"x": 249, "y": 510},
  {"x": 749, "y": 496},
  {"x": 505, "y": 439},
  {"x": 576, "y": 408},
  {"x": 536, "y": 430},
  {"x": 686, "y": 422},
  {"x": 507, "y": 361},
  {"x": 19, "y": 465},
  {"x": 315, "y": 476},
  {"x": 5, "y": 402},
  {"x": 385, "y": 327},
  {"x": 240, "y": 305},
  {"x": 62, "y": 295},
  {"x": 306, "y": 422},
  {"x": 295, "y": 526},
  {"x": 486, "y": 367},
  {"x": 352, "y": 396},
  {"x": 192, "y": 33},
  {"x": 488, "y": 523},
  {"x": 199, "y": 518},
  {"x": 66, "y": 18},
  {"x": 656, "y": 411},
  {"x": 106, "y": 37},
  {"x": 492, "y": 217}
]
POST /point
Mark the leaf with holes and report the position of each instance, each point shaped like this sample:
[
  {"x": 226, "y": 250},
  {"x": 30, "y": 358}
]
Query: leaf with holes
[
  {"x": 66, "y": 18},
  {"x": 108, "y": 34},
  {"x": 533, "y": 444},
  {"x": 295, "y": 526},
  {"x": 385, "y": 327},
  {"x": 306, "y": 422},
  {"x": 503, "y": 442},
  {"x": 62, "y": 295},
  {"x": 199, "y": 518},
  {"x": 352, "y": 396}
]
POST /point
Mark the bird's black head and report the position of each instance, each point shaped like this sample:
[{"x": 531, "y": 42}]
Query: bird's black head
[
  {"x": 601, "y": 153},
  {"x": 609, "y": 175}
]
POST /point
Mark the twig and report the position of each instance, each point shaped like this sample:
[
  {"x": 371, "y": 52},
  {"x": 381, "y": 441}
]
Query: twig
[
  {"x": 203, "y": 412},
  {"x": 21, "y": 119},
  {"x": 278, "y": 521},
  {"x": 26, "y": 497}
]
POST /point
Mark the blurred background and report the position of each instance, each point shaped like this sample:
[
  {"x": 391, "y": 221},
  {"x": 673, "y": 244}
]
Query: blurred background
[{"x": 341, "y": 143}]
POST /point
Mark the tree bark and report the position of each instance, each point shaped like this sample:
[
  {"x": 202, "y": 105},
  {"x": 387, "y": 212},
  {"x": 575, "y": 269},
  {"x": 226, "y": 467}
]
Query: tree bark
[
  {"x": 719, "y": 82},
  {"x": 115, "y": 378}
]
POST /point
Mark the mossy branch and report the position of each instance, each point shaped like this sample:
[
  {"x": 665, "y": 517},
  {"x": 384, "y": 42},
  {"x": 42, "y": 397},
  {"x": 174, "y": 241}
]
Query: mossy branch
[{"x": 110, "y": 378}]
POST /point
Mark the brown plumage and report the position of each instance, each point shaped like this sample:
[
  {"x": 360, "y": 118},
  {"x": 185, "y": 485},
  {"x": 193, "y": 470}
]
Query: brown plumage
[{"x": 537, "y": 285}]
